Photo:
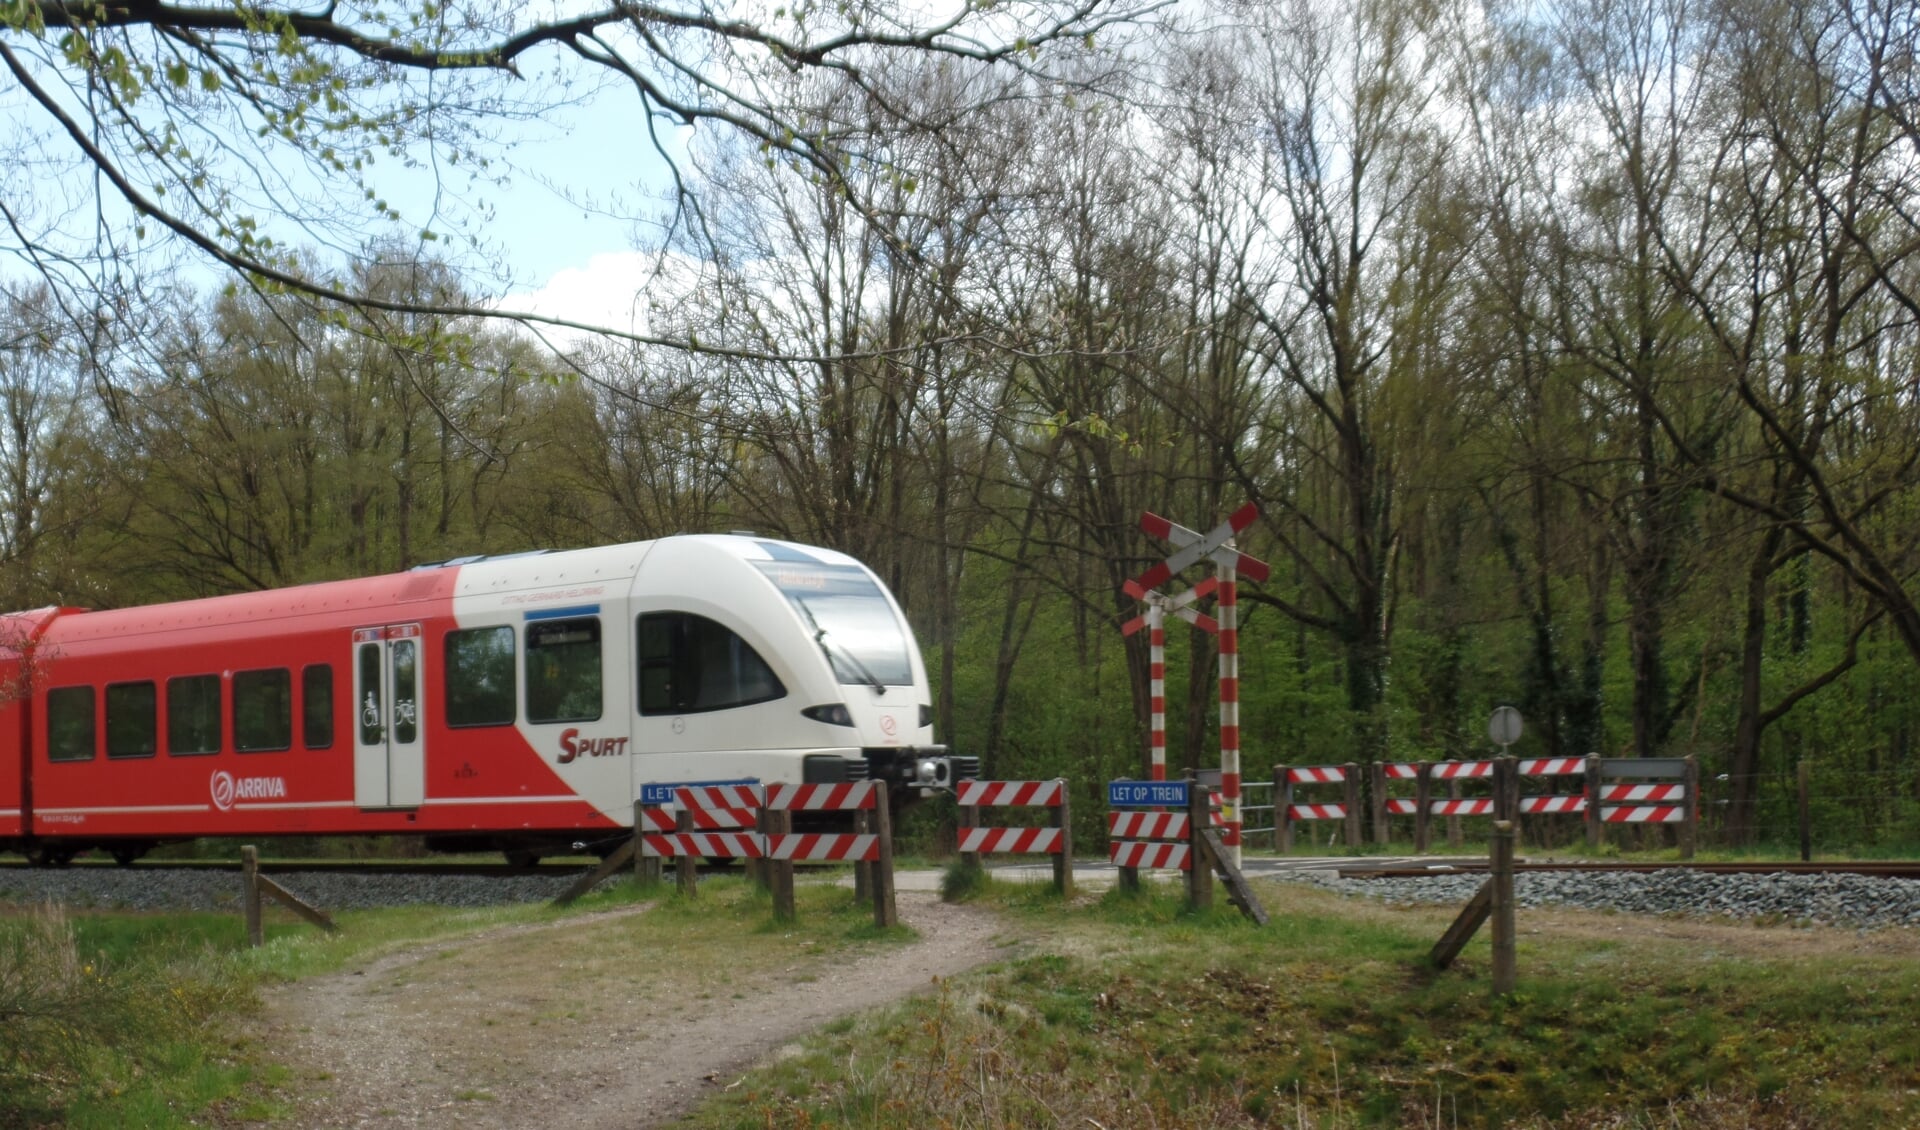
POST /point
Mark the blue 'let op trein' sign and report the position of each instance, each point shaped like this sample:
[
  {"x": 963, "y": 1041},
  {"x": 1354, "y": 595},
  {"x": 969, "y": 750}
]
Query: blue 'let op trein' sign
[{"x": 1146, "y": 794}]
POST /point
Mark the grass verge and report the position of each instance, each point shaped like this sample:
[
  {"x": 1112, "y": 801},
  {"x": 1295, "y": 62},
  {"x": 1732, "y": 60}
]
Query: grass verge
[{"x": 1130, "y": 1011}]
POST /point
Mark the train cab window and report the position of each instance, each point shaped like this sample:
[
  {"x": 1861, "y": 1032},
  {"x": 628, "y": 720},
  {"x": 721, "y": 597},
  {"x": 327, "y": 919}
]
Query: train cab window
[
  {"x": 689, "y": 663},
  {"x": 479, "y": 677},
  {"x": 130, "y": 720},
  {"x": 262, "y": 710},
  {"x": 70, "y": 726},
  {"x": 316, "y": 706},
  {"x": 193, "y": 715},
  {"x": 563, "y": 670}
]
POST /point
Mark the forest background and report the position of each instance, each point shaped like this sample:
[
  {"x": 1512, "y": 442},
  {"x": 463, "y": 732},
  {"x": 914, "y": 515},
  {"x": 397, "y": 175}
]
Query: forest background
[{"x": 1568, "y": 350}]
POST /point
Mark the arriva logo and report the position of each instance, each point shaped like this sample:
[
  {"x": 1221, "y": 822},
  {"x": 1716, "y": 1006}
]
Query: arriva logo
[{"x": 226, "y": 789}]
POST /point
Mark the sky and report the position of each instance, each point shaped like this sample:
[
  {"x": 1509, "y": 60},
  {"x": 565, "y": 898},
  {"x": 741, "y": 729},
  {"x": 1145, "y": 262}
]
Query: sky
[{"x": 564, "y": 225}]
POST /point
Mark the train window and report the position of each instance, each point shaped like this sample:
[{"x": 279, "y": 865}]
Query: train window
[
  {"x": 371, "y": 732},
  {"x": 316, "y": 705},
  {"x": 193, "y": 715},
  {"x": 262, "y": 710},
  {"x": 70, "y": 724},
  {"x": 406, "y": 693},
  {"x": 563, "y": 670},
  {"x": 479, "y": 677},
  {"x": 689, "y": 663},
  {"x": 130, "y": 722}
]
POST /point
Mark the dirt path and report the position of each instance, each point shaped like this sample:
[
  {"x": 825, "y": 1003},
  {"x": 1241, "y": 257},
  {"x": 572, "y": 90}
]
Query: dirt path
[{"x": 492, "y": 1031}]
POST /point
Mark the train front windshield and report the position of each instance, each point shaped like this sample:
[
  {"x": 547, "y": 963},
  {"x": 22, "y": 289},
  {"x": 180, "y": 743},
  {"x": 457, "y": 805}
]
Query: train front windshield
[{"x": 850, "y": 618}]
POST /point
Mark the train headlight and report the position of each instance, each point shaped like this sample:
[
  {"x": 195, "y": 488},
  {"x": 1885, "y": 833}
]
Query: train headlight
[{"x": 833, "y": 714}]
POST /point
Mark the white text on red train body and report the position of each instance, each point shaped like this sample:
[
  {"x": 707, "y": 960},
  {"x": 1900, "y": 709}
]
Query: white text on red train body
[
  {"x": 227, "y": 789},
  {"x": 572, "y": 745}
]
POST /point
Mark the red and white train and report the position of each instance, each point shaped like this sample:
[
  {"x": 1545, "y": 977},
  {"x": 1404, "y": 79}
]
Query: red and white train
[{"x": 516, "y": 703}]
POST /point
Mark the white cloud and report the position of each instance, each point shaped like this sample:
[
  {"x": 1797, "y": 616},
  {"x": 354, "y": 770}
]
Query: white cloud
[{"x": 608, "y": 292}]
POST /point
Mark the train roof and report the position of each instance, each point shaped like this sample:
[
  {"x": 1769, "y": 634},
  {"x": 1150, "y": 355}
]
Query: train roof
[{"x": 379, "y": 595}]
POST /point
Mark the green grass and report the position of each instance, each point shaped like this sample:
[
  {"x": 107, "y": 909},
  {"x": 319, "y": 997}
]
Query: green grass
[
  {"x": 1135, "y": 1012},
  {"x": 114, "y": 1019},
  {"x": 1116, "y": 1010}
]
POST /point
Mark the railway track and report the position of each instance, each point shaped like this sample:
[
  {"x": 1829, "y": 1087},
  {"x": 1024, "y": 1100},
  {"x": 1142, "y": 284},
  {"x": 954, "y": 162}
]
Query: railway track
[
  {"x": 1879, "y": 869},
  {"x": 323, "y": 867}
]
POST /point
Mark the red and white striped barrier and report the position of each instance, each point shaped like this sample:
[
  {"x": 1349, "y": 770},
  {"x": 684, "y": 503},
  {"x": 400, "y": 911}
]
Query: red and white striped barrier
[
  {"x": 1616, "y": 790},
  {"x": 721, "y": 807},
  {"x": 811, "y": 847},
  {"x": 1011, "y": 841},
  {"x": 823, "y": 847},
  {"x": 724, "y": 818},
  {"x": 1151, "y": 857},
  {"x": 842, "y": 797},
  {"x": 1645, "y": 814},
  {"x": 703, "y": 845},
  {"x": 1002, "y": 794},
  {"x": 1148, "y": 825},
  {"x": 1550, "y": 805},
  {"x": 1629, "y": 794},
  {"x": 1287, "y": 813},
  {"x": 1316, "y": 812},
  {"x": 1056, "y": 839}
]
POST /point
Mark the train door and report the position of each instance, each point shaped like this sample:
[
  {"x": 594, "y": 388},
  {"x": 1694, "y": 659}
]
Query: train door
[{"x": 389, "y": 759}]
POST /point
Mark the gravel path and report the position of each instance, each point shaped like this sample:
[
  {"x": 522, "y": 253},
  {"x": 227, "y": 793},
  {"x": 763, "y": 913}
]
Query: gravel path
[{"x": 416, "y": 1039}]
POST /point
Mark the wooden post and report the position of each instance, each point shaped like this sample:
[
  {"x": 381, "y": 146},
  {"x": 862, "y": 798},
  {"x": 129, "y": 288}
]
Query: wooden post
[
  {"x": 1199, "y": 859},
  {"x": 862, "y": 869},
  {"x": 689, "y": 879},
  {"x": 1690, "y": 831},
  {"x": 1594, "y": 789},
  {"x": 1422, "y": 807},
  {"x": 1353, "y": 804},
  {"x": 250, "y": 894},
  {"x": 1454, "y": 838},
  {"x": 1062, "y": 818},
  {"x": 1506, "y": 790},
  {"x": 1806, "y": 813},
  {"x": 780, "y": 823},
  {"x": 1381, "y": 827},
  {"x": 646, "y": 868},
  {"x": 585, "y": 883},
  {"x": 762, "y": 868},
  {"x": 1283, "y": 807},
  {"x": 969, "y": 820},
  {"x": 1503, "y": 925},
  {"x": 885, "y": 913}
]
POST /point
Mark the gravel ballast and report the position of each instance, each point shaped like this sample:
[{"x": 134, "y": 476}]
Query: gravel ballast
[
  {"x": 1815, "y": 900},
  {"x": 166, "y": 888},
  {"x": 1828, "y": 900}
]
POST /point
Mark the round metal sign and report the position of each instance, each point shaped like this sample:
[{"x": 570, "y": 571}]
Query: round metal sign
[{"x": 1504, "y": 729}]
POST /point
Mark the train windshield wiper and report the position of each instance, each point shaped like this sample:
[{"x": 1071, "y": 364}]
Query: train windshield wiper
[{"x": 831, "y": 650}]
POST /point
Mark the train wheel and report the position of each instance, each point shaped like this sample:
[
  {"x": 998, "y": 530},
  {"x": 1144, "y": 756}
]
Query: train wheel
[
  {"x": 521, "y": 857},
  {"x": 125, "y": 856},
  {"x": 49, "y": 856}
]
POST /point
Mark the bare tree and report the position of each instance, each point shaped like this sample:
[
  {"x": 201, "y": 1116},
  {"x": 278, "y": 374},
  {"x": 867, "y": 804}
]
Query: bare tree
[{"x": 245, "y": 130}]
